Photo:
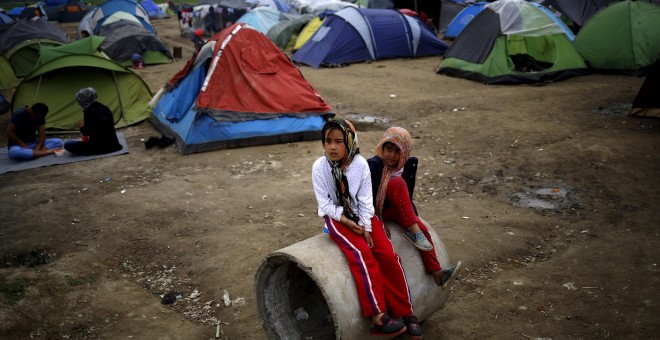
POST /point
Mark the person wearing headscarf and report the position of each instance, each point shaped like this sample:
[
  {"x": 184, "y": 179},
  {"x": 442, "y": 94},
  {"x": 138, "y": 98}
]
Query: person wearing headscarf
[
  {"x": 393, "y": 172},
  {"x": 342, "y": 186},
  {"x": 97, "y": 127}
]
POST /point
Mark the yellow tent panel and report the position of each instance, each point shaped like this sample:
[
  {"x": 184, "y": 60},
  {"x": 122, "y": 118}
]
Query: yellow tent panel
[{"x": 307, "y": 32}]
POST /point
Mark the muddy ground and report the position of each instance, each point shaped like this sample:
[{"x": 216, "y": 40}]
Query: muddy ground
[{"x": 549, "y": 194}]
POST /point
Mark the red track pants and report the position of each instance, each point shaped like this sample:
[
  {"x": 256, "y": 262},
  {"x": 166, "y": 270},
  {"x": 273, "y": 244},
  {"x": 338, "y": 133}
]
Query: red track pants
[
  {"x": 401, "y": 211},
  {"x": 378, "y": 274}
]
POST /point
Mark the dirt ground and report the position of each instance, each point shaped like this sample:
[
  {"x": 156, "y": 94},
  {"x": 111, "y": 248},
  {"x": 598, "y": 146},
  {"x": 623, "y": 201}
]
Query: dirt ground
[{"x": 549, "y": 194}]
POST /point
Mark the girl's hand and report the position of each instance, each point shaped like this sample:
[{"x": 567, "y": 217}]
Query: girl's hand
[
  {"x": 367, "y": 237},
  {"x": 352, "y": 225},
  {"x": 356, "y": 228}
]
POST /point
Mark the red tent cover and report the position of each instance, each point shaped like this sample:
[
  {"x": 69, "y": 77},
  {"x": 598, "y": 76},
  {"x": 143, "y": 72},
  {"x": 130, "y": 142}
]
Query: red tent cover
[{"x": 249, "y": 74}]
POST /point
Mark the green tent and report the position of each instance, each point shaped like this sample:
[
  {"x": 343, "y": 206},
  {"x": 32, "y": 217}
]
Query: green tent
[
  {"x": 623, "y": 37},
  {"x": 7, "y": 77},
  {"x": 513, "y": 42},
  {"x": 56, "y": 82},
  {"x": 89, "y": 45},
  {"x": 24, "y": 56}
]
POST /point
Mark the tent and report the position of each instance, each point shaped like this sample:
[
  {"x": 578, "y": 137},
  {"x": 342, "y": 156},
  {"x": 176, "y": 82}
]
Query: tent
[
  {"x": 647, "y": 101},
  {"x": 5, "y": 21},
  {"x": 282, "y": 33},
  {"x": 70, "y": 11},
  {"x": 309, "y": 29},
  {"x": 105, "y": 11},
  {"x": 578, "y": 11},
  {"x": 89, "y": 45},
  {"x": 28, "y": 12},
  {"x": 239, "y": 90},
  {"x": 123, "y": 38},
  {"x": 153, "y": 10},
  {"x": 56, "y": 82},
  {"x": 513, "y": 42},
  {"x": 623, "y": 37},
  {"x": 449, "y": 9},
  {"x": 463, "y": 18},
  {"x": 316, "y": 7},
  {"x": 21, "y": 42},
  {"x": 278, "y": 5},
  {"x": 362, "y": 34},
  {"x": 8, "y": 78},
  {"x": 263, "y": 18}
]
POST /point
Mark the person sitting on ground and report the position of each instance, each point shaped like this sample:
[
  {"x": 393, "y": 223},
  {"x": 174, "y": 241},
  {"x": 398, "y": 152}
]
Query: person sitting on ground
[
  {"x": 97, "y": 127},
  {"x": 26, "y": 134},
  {"x": 393, "y": 173},
  {"x": 342, "y": 187},
  {"x": 137, "y": 60}
]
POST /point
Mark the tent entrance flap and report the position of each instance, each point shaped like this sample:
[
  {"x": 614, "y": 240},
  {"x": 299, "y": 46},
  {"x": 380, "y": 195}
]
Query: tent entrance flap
[{"x": 531, "y": 54}]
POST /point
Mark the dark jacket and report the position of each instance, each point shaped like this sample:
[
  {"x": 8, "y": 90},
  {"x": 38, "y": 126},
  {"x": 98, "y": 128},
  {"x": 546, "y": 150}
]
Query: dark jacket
[
  {"x": 409, "y": 173},
  {"x": 100, "y": 128}
]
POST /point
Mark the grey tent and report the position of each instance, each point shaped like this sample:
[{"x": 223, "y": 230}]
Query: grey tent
[{"x": 123, "y": 38}]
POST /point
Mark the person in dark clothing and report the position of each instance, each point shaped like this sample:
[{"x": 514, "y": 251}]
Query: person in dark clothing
[
  {"x": 97, "y": 127},
  {"x": 26, "y": 134}
]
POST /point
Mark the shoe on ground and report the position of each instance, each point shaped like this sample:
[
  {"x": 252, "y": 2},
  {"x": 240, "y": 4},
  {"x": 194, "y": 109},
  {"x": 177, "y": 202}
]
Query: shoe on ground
[
  {"x": 413, "y": 329},
  {"x": 389, "y": 328},
  {"x": 153, "y": 141},
  {"x": 418, "y": 240},
  {"x": 449, "y": 274}
]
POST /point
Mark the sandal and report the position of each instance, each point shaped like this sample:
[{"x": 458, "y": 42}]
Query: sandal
[
  {"x": 418, "y": 240},
  {"x": 448, "y": 275},
  {"x": 390, "y": 327},
  {"x": 413, "y": 327}
]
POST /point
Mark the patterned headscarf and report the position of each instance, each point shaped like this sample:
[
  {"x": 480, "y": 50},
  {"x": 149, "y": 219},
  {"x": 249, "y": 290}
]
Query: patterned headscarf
[
  {"x": 401, "y": 138},
  {"x": 339, "y": 167},
  {"x": 86, "y": 97}
]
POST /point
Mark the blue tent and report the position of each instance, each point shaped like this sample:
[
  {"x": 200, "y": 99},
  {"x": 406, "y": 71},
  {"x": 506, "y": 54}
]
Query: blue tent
[
  {"x": 463, "y": 18},
  {"x": 153, "y": 10},
  {"x": 360, "y": 34},
  {"x": 128, "y": 7},
  {"x": 5, "y": 21},
  {"x": 50, "y": 3},
  {"x": 262, "y": 18},
  {"x": 16, "y": 11}
]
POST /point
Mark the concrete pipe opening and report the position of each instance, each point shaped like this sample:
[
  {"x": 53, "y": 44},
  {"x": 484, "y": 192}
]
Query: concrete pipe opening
[{"x": 306, "y": 291}]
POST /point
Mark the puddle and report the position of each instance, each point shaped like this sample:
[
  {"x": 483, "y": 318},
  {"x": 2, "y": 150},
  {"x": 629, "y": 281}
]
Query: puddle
[
  {"x": 545, "y": 198},
  {"x": 363, "y": 122}
]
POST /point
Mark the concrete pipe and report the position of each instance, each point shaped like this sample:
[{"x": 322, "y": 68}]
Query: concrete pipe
[{"x": 306, "y": 291}]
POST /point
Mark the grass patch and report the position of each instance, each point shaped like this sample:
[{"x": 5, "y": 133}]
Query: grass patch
[
  {"x": 14, "y": 290},
  {"x": 81, "y": 280}
]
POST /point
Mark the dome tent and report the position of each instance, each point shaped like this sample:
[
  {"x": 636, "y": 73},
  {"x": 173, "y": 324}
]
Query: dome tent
[
  {"x": 623, "y": 37},
  {"x": 56, "y": 83},
  {"x": 239, "y": 90},
  {"x": 360, "y": 34},
  {"x": 513, "y": 42}
]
